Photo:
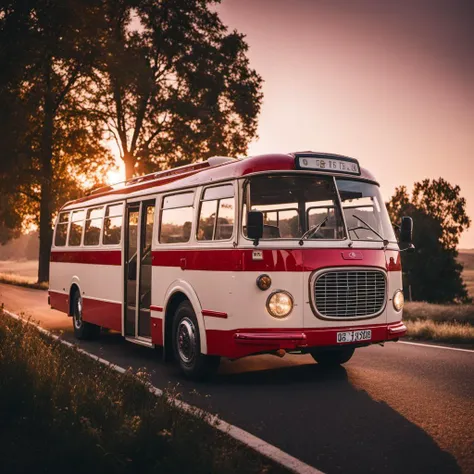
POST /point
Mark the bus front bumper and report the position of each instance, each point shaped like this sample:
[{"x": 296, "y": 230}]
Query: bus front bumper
[{"x": 242, "y": 342}]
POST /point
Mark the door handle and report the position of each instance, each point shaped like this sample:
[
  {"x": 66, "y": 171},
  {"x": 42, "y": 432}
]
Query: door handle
[{"x": 183, "y": 263}]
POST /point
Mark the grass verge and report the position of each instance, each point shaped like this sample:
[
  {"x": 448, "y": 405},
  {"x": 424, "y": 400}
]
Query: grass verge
[
  {"x": 61, "y": 410},
  {"x": 453, "y": 333},
  {"x": 439, "y": 313},
  {"x": 12, "y": 279},
  {"x": 441, "y": 323}
]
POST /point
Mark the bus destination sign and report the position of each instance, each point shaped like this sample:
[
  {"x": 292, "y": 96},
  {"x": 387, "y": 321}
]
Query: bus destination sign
[{"x": 329, "y": 164}]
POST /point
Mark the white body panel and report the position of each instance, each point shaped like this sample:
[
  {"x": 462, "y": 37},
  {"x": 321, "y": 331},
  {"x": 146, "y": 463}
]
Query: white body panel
[{"x": 100, "y": 282}]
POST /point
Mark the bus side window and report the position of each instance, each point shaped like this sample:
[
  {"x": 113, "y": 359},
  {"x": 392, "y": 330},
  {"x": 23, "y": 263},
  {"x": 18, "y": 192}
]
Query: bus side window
[
  {"x": 216, "y": 214},
  {"x": 176, "y": 218},
  {"x": 93, "y": 226},
  {"x": 61, "y": 229},
  {"x": 225, "y": 219},
  {"x": 76, "y": 228},
  {"x": 113, "y": 225}
]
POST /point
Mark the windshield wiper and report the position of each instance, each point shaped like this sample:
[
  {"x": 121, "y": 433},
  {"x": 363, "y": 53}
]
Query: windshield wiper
[
  {"x": 368, "y": 227},
  {"x": 312, "y": 230}
]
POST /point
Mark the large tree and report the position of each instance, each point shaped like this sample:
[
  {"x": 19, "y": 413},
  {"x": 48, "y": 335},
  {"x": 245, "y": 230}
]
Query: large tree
[
  {"x": 439, "y": 213},
  {"x": 48, "y": 52},
  {"x": 174, "y": 85}
]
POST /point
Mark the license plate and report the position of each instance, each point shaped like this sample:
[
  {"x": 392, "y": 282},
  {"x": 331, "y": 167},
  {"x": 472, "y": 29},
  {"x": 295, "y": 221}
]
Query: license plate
[{"x": 354, "y": 336}]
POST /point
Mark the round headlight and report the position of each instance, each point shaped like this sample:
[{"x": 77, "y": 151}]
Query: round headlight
[
  {"x": 280, "y": 304},
  {"x": 398, "y": 300}
]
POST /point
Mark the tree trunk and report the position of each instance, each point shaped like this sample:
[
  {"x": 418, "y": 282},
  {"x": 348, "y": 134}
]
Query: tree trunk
[
  {"x": 129, "y": 161},
  {"x": 46, "y": 157}
]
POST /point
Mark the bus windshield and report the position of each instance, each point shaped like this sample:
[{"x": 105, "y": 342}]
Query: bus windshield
[
  {"x": 308, "y": 207},
  {"x": 294, "y": 205},
  {"x": 365, "y": 212}
]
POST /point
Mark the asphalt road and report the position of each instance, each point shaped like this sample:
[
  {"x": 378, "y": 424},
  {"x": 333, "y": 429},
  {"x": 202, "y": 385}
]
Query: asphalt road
[{"x": 399, "y": 408}]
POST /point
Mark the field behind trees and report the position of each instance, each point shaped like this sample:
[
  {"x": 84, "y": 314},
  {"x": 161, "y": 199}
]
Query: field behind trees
[{"x": 466, "y": 257}]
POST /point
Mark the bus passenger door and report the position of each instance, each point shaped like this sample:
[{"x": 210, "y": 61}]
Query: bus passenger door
[
  {"x": 144, "y": 287},
  {"x": 139, "y": 230},
  {"x": 131, "y": 267}
]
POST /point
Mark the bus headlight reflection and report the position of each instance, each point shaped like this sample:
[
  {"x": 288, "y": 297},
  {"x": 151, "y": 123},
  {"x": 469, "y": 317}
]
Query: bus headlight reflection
[
  {"x": 280, "y": 304},
  {"x": 398, "y": 300}
]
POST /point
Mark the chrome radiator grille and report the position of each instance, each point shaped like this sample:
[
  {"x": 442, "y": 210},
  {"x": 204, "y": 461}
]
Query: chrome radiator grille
[{"x": 350, "y": 293}]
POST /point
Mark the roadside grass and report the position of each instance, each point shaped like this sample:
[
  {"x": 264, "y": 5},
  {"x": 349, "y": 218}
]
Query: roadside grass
[
  {"x": 60, "y": 410},
  {"x": 439, "y": 313},
  {"x": 428, "y": 330},
  {"x": 442, "y": 323},
  {"x": 26, "y": 282}
]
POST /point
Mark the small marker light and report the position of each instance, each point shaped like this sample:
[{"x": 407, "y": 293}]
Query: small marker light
[{"x": 264, "y": 282}]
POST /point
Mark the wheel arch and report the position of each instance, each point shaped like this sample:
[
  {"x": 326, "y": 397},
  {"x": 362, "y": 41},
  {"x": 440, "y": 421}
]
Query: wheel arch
[
  {"x": 177, "y": 292},
  {"x": 72, "y": 289}
]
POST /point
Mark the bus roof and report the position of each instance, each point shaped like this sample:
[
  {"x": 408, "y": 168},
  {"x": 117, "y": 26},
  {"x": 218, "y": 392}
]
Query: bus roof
[{"x": 214, "y": 169}]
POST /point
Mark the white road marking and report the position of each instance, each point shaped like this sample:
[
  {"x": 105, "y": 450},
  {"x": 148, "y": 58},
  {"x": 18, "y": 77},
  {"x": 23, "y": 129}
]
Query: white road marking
[
  {"x": 257, "y": 444},
  {"x": 434, "y": 346}
]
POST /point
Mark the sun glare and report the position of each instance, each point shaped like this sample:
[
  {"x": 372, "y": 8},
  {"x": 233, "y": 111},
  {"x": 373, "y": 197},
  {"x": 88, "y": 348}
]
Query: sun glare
[{"x": 117, "y": 174}]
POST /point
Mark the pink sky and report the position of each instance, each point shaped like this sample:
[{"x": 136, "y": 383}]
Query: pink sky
[{"x": 387, "y": 82}]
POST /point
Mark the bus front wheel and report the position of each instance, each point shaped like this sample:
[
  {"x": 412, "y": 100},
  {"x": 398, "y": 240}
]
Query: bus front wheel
[
  {"x": 332, "y": 357},
  {"x": 187, "y": 345},
  {"x": 82, "y": 329}
]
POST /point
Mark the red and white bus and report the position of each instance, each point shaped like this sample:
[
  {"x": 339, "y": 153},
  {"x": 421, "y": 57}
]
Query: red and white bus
[{"x": 234, "y": 257}]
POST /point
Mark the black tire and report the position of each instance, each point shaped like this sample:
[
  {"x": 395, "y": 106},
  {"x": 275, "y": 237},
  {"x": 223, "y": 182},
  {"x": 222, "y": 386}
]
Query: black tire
[
  {"x": 82, "y": 329},
  {"x": 187, "y": 345},
  {"x": 333, "y": 357}
]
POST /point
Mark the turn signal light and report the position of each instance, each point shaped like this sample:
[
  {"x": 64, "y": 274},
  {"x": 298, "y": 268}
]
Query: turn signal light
[{"x": 264, "y": 282}]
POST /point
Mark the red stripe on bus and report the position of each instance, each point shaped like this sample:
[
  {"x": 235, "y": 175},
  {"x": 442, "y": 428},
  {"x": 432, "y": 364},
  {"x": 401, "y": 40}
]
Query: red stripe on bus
[
  {"x": 157, "y": 331},
  {"x": 156, "y": 308},
  {"x": 92, "y": 257},
  {"x": 214, "y": 314},
  {"x": 103, "y": 313},
  {"x": 59, "y": 301},
  {"x": 291, "y": 260}
]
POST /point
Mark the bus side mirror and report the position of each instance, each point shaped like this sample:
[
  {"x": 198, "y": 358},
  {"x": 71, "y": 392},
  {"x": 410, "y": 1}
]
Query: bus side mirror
[
  {"x": 406, "y": 230},
  {"x": 255, "y": 225}
]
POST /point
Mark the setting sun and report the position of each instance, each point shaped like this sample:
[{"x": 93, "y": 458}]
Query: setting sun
[{"x": 117, "y": 174}]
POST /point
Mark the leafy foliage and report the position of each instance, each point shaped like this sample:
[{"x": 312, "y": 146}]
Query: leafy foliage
[
  {"x": 165, "y": 79},
  {"x": 174, "y": 85},
  {"x": 439, "y": 214},
  {"x": 46, "y": 60}
]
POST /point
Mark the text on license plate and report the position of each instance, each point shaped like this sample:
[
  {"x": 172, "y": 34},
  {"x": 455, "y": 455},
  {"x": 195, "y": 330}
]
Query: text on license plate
[{"x": 354, "y": 336}]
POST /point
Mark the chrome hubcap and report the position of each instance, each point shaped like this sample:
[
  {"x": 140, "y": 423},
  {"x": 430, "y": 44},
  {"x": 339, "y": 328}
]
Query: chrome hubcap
[
  {"x": 186, "y": 340},
  {"x": 78, "y": 314}
]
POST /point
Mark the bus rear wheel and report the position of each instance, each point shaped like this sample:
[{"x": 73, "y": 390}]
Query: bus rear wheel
[
  {"x": 187, "y": 345},
  {"x": 82, "y": 329},
  {"x": 333, "y": 357}
]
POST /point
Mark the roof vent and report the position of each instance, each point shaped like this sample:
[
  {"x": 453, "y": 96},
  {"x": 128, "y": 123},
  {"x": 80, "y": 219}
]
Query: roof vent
[{"x": 220, "y": 160}]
